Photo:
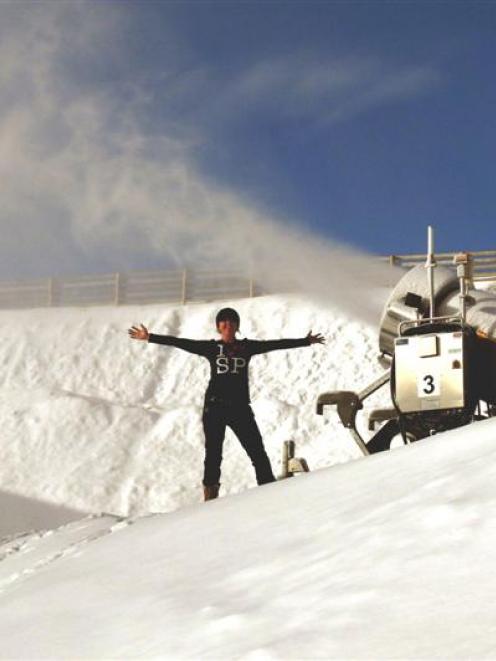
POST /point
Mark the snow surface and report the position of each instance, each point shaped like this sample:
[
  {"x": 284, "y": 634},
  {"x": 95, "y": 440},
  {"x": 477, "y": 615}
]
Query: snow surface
[
  {"x": 18, "y": 514},
  {"x": 96, "y": 422},
  {"x": 389, "y": 556}
]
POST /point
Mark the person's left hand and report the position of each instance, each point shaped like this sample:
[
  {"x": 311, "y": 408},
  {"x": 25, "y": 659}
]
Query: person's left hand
[{"x": 315, "y": 339}]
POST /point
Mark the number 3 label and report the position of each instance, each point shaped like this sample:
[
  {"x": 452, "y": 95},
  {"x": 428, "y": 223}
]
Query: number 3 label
[{"x": 428, "y": 385}]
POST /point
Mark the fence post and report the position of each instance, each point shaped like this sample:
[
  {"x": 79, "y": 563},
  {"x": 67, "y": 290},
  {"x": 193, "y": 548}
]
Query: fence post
[
  {"x": 117, "y": 288},
  {"x": 252, "y": 288},
  {"x": 393, "y": 261},
  {"x": 183, "y": 287},
  {"x": 50, "y": 293}
]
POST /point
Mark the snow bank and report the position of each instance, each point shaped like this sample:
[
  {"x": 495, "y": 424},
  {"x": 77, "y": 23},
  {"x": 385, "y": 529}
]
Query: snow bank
[
  {"x": 98, "y": 423},
  {"x": 388, "y": 556}
]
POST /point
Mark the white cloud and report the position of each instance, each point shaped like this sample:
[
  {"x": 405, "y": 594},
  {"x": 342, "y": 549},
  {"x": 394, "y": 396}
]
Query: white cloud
[
  {"x": 329, "y": 90},
  {"x": 83, "y": 186}
]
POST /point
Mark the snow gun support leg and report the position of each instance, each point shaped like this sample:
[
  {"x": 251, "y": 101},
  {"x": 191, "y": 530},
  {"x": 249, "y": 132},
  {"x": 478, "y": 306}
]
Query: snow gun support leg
[
  {"x": 348, "y": 404},
  {"x": 290, "y": 463}
]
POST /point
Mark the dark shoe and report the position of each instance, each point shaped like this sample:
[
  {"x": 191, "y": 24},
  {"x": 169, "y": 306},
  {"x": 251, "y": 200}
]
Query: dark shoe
[{"x": 211, "y": 491}]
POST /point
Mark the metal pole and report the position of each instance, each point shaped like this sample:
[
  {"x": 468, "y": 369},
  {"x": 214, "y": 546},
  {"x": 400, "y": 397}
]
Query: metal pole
[
  {"x": 183, "y": 292},
  {"x": 50, "y": 292},
  {"x": 430, "y": 265},
  {"x": 117, "y": 288},
  {"x": 463, "y": 263},
  {"x": 288, "y": 450}
]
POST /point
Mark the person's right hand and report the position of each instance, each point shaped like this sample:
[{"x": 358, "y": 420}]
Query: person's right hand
[{"x": 140, "y": 333}]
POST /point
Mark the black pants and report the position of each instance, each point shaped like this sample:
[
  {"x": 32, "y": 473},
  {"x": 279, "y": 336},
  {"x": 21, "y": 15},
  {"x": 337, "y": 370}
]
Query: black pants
[{"x": 239, "y": 417}]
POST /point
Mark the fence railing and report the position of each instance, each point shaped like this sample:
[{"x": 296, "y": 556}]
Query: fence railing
[
  {"x": 484, "y": 262},
  {"x": 185, "y": 286},
  {"x": 133, "y": 288}
]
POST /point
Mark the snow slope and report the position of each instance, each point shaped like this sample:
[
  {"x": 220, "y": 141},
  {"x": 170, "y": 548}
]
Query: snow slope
[
  {"x": 389, "y": 556},
  {"x": 95, "y": 422}
]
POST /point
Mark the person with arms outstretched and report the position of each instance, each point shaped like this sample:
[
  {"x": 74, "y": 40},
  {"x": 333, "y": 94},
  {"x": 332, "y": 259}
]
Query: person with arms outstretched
[{"x": 227, "y": 399}]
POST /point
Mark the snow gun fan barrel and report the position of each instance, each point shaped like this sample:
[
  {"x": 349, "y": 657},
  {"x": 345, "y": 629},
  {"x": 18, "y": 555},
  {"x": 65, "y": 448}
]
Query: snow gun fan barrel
[{"x": 439, "y": 336}]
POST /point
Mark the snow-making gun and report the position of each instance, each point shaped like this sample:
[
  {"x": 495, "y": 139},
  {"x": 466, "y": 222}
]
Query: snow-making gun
[{"x": 437, "y": 340}]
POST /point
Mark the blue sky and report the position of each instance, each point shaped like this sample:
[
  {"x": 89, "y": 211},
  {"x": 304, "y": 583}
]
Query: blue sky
[
  {"x": 365, "y": 121},
  {"x": 139, "y": 134}
]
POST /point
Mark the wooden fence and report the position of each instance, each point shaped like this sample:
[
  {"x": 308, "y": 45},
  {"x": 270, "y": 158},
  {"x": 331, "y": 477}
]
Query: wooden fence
[
  {"x": 142, "y": 287},
  {"x": 484, "y": 262},
  {"x": 133, "y": 288}
]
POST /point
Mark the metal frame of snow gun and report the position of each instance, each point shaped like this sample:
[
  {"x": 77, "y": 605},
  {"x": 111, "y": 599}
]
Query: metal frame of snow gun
[
  {"x": 290, "y": 463},
  {"x": 430, "y": 320},
  {"x": 348, "y": 404}
]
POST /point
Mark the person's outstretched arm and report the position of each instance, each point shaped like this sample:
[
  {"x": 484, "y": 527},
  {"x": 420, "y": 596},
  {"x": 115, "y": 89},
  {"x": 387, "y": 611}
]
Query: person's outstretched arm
[
  {"x": 264, "y": 346},
  {"x": 199, "y": 347}
]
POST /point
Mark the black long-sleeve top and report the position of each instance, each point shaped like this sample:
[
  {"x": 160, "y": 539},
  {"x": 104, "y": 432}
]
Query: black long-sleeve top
[{"x": 228, "y": 361}]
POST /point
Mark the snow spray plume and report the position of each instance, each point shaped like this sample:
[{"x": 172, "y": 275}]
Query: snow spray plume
[{"x": 85, "y": 187}]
